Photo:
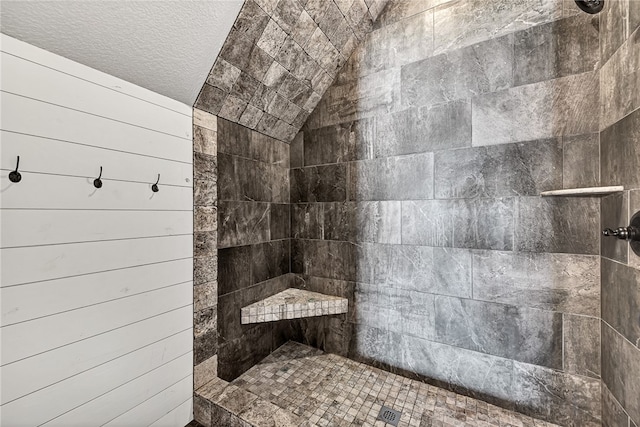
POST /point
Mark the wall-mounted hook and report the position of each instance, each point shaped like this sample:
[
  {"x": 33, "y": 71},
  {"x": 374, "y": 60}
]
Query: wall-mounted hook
[
  {"x": 15, "y": 176},
  {"x": 154, "y": 187},
  {"x": 98, "y": 182}
]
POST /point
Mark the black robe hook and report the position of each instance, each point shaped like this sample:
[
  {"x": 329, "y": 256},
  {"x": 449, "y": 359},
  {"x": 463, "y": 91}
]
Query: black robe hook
[
  {"x": 98, "y": 182},
  {"x": 15, "y": 176},
  {"x": 154, "y": 187}
]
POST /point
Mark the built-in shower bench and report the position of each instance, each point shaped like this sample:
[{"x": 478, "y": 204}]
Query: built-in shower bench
[{"x": 293, "y": 304}]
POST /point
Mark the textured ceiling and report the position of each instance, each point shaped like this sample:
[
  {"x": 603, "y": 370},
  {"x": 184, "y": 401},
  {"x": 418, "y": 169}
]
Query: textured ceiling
[
  {"x": 165, "y": 46},
  {"x": 280, "y": 58}
]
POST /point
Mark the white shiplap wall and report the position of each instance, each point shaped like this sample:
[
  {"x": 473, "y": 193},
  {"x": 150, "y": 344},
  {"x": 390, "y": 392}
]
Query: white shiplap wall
[{"x": 95, "y": 284}]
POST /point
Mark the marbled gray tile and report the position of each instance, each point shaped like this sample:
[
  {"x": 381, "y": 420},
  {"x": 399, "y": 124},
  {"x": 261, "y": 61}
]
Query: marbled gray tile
[
  {"x": 465, "y": 223},
  {"x": 233, "y": 139},
  {"x": 459, "y": 367},
  {"x": 466, "y": 22},
  {"x": 522, "y": 169},
  {"x": 307, "y": 221},
  {"x": 205, "y": 192},
  {"x": 614, "y": 23},
  {"x": 242, "y": 223},
  {"x": 582, "y": 345},
  {"x": 251, "y": 21},
  {"x": 324, "y": 258},
  {"x": 581, "y": 161},
  {"x": 223, "y": 75},
  {"x": 287, "y": 13},
  {"x": 634, "y": 16},
  {"x": 205, "y": 218},
  {"x": 251, "y": 116},
  {"x": 614, "y": 212},
  {"x": 205, "y": 270},
  {"x": 244, "y": 88},
  {"x": 202, "y": 410},
  {"x": 556, "y": 282},
  {"x": 398, "y": 10},
  {"x": 459, "y": 74},
  {"x": 204, "y": 167},
  {"x": 204, "y": 141},
  {"x": 362, "y": 222},
  {"x": 210, "y": 99},
  {"x": 557, "y": 49},
  {"x": 620, "y": 76},
  {"x": 232, "y": 108},
  {"x": 566, "y": 399},
  {"x": 536, "y": 111},
  {"x": 303, "y": 29},
  {"x": 613, "y": 414},
  {"x": 319, "y": 184},
  {"x": 393, "y": 178},
  {"x": 205, "y": 295},
  {"x": 445, "y": 271},
  {"x": 339, "y": 143},
  {"x": 566, "y": 225},
  {"x": 272, "y": 38},
  {"x": 297, "y": 151},
  {"x": 436, "y": 127},
  {"x": 526, "y": 335},
  {"x": 204, "y": 243},
  {"x": 280, "y": 221},
  {"x": 270, "y": 259},
  {"x": 620, "y": 152},
  {"x": 621, "y": 299},
  {"x": 234, "y": 269},
  {"x": 205, "y": 346},
  {"x": 620, "y": 359},
  {"x": 376, "y": 345}
]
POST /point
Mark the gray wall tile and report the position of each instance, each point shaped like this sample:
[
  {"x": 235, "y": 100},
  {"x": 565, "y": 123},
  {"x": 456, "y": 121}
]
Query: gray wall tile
[
  {"x": 582, "y": 345},
  {"x": 581, "y": 161},
  {"x": 557, "y": 282},
  {"x": 614, "y": 213},
  {"x": 620, "y": 152},
  {"x": 455, "y": 223},
  {"x": 319, "y": 184},
  {"x": 459, "y": 74},
  {"x": 526, "y": 335},
  {"x": 620, "y": 360},
  {"x": 536, "y": 111},
  {"x": 621, "y": 299},
  {"x": 499, "y": 171},
  {"x": 563, "y": 398},
  {"x": 613, "y": 414},
  {"x": 566, "y": 225},
  {"x": 557, "y": 49}
]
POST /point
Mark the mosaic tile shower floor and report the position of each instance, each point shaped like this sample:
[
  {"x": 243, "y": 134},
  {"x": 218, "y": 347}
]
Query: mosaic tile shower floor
[{"x": 322, "y": 389}]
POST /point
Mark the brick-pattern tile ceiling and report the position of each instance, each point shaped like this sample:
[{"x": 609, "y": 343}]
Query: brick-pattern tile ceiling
[{"x": 279, "y": 59}]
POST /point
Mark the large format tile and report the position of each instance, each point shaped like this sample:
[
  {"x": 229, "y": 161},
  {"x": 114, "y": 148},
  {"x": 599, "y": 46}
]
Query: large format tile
[
  {"x": 243, "y": 223},
  {"x": 407, "y": 177},
  {"x": 620, "y": 77},
  {"x": 614, "y": 211},
  {"x": 613, "y": 414},
  {"x": 464, "y": 223},
  {"x": 620, "y": 152},
  {"x": 526, "y": 335},
  {"x": 378, "y": 222},
  {"x": 566, "y": 225},
  {"x": 319, "y": 184},
  {"x": 540, "y": 110},
  {"x": 339, "y": 143},
  {"x": 620, "y": 360},
  {"x": 557, "y": 49},
  {"x": 523, "y": 169},
  {"x": 461, "y": 368},
  {"x": 557, "y": 282},
  {"x": 445, "y": 271},
  {"x": 569, "y": 400},
  {"x": 582, "y": 345},
  {"x": 615, "y": 24},
  {"x": 459, "y": 74},
  {"x": 581, "y": 161},
  {"x": 466, "y": 22},
  {"x": 621, "y": 299},
  {"x": 429, "y": 128}
]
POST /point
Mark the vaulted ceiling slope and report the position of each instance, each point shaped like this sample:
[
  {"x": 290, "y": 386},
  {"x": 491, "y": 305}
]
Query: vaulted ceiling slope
[
  {"x": 166, "y": 46},
  {"x": 279, "y": 59}
]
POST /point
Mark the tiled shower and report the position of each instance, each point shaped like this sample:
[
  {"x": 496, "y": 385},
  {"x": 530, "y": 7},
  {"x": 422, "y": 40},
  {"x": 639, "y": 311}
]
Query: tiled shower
[
  {"x": 413, "y": 189},
  {"x": 320, "y": 213}
]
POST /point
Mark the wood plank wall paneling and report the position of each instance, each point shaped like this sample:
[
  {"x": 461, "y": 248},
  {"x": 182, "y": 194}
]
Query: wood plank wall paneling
[{"x": 96, "y": 285}]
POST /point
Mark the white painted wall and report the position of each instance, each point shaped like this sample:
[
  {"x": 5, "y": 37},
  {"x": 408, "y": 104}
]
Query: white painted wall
[{"x": 96, "y": 290}]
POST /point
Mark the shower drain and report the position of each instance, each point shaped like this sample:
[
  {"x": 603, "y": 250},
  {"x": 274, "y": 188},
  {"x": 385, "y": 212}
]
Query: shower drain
[{"x": 389, "y": 416}]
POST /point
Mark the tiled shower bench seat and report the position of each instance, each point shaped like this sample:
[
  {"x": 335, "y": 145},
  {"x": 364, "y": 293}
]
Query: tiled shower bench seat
[{"x": 293, "y": 304}]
